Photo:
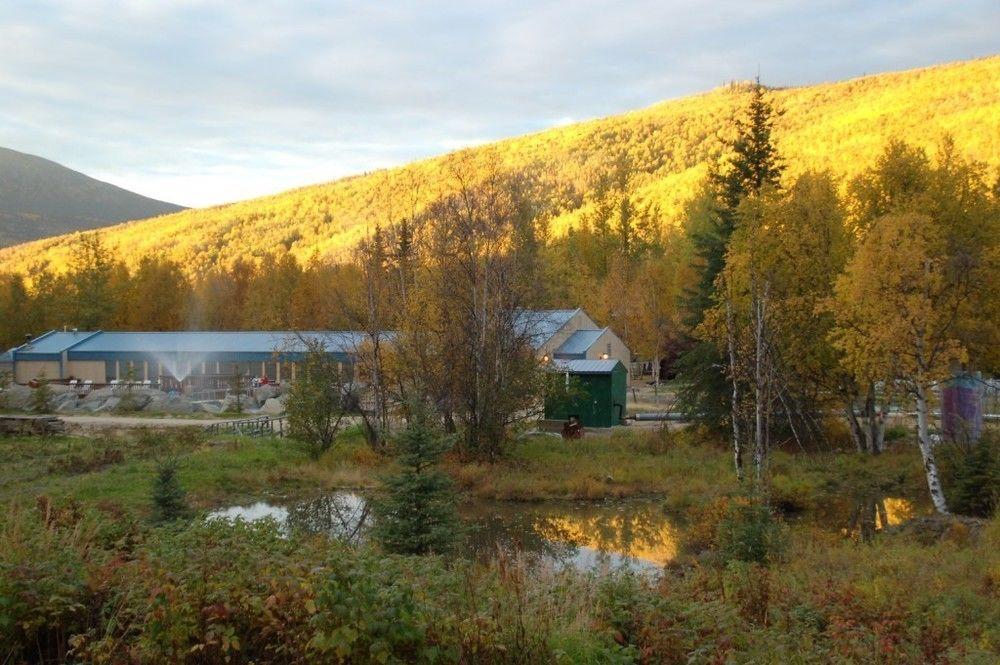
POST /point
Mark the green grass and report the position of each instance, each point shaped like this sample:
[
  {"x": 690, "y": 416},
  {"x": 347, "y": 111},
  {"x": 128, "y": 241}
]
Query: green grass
[
  {"x": 681, "y": 467},
  {"x": 120, "y": 470}
]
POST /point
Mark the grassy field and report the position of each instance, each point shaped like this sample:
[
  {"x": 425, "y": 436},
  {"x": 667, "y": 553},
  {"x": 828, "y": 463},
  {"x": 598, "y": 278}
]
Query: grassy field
[{"x": 677, "y": 466}]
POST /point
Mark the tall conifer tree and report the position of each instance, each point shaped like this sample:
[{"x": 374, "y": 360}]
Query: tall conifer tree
[{"x": 753, "y": 166}]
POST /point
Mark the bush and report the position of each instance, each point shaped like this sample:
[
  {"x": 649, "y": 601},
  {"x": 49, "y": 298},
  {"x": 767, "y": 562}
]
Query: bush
[
  {"x": 972, "y": 476},
  {"x": 749, "y": 532},
  {"x": 169, "y": 502},
  {"x": 417, "y": 514},
  {"x": 41, "y": 397}
]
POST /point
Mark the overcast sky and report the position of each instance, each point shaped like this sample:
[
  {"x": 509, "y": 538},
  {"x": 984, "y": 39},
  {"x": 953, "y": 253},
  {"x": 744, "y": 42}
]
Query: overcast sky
[{"x": 206, "y": 101}]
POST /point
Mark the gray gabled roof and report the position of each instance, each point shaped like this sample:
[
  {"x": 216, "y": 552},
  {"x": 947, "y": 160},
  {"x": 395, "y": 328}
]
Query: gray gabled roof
[
  {"x": 586, "y": 366},
  {"x": 579, "y": 342},
  {"x": 541, "y": 324}
]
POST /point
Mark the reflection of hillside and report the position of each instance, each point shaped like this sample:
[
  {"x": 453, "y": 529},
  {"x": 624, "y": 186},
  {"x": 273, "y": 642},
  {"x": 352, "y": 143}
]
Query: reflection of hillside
[
  {"x": 639, "y": 534},
  {"x": 874, "y": 514}
]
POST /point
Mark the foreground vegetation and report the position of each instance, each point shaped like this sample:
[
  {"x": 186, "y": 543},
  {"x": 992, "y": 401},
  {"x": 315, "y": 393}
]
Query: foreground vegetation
[{"x": 86, "y": 576}]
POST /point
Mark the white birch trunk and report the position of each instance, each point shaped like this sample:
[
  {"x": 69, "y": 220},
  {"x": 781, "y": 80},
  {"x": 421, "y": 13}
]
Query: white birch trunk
[
  {"x": 927, "y": 451},
  {"x": 735, "y": 407}
]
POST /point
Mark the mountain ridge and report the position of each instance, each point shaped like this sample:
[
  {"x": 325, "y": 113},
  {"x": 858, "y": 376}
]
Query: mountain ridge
[
  {"x": 40, "y": 197},
  {"x": 839, "y": 126}
]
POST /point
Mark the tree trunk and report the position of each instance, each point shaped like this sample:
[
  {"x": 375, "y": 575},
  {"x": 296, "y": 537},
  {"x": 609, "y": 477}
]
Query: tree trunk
[
  {"x": 735, "y": 407},
  {"x": 927, "y": 451},
  {"x": 857, "y": 432}
]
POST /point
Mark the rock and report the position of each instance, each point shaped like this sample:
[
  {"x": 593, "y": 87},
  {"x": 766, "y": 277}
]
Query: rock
[
  {"x": 98, "y": 395},
  {"x": 274, "y": 406},
  {"x": 264, "y": 393},
  {"x": 110, "y": 404},
  {"x": 212, "y": 406},
  {"x": 171, "y": 404},
  {"x": 933, "y": 528},
  {"x": 63, "y": 402},
  {"x": 16, "y": 397},
  {"x": 92, "y": 405}
]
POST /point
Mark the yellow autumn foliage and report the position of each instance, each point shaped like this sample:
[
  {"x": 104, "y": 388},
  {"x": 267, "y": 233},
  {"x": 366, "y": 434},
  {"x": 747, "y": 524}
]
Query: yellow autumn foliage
[{"x": 837, "y": 127}]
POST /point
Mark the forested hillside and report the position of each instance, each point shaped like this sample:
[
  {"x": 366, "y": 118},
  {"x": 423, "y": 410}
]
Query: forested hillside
[
  {"x": 39, "y": 198},
  {"x": 666, "y": 150}
]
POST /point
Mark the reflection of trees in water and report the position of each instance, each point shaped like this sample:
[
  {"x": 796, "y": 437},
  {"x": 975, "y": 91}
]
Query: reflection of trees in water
[
  {"x": 634, "y": 530},
  {"x": 342, "y": 516},
  {"x": 514, "y": 534},
  {"x": 874, "y": 513}
]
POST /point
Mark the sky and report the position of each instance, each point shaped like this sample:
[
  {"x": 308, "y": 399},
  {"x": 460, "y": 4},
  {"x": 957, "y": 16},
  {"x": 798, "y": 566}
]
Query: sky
[{"x": 200, "y": 102}]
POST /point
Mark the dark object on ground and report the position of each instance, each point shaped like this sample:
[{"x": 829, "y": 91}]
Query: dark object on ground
[
  {"x": 31, "y": 425},
  {"x": 933, "y": 528},
  {"x": 572, "y": 429}
]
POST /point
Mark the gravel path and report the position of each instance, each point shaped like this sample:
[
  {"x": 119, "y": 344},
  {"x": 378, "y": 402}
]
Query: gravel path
[{"x": 135, "y": 421}]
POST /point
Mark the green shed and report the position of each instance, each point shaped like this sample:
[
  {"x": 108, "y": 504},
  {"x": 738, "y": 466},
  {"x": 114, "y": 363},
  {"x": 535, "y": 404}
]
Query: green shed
[{"x": 592, "y": 390}]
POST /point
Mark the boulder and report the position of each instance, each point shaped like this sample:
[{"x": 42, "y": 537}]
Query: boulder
[
  {"x": 171, "y": 404},
  {"x": 110, "y": 404},
  {"x": 98, "y": 395},
  {"x": 16, "y": 397},
  {"x": 264, "y": 393},
  {"x": 274, "y": 406},
  {"x": 63, "y": 402}
]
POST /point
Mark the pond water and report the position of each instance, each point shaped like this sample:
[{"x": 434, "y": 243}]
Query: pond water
[
  {"x": 635, "y": 534},
  {"x": 632, "y": 534}
]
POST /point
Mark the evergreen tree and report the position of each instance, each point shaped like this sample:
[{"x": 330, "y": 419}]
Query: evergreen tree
[
  {"x": 169, "y": 498},
  {"x": 417, "y": 514},
  {"x": 753, "y": 166},
  {"x": 41, "y": 397}
]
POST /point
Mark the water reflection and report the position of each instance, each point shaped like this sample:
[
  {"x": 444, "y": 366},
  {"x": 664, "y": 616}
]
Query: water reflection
[
  {"x": 874, "y": 513},
  {"x": 633, "y": 534},
  {"x": 342, "y": 515}
]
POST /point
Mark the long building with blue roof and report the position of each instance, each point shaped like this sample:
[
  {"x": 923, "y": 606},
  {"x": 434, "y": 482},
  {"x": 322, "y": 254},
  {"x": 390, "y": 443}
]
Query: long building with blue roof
[
  {"x": 101, "y": 357},
  {"x": 187, "y": 357}
]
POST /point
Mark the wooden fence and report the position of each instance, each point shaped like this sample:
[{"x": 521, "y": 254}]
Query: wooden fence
[{"x": 260, "y": 426}]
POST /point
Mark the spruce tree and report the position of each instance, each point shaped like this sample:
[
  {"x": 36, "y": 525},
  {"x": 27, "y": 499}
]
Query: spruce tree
[
  {"x": 169, "y": 502},
  {"x": 41, "y": 397},
  {"x": 417, "y": 515},
  {"x": 753, "y": 166}
]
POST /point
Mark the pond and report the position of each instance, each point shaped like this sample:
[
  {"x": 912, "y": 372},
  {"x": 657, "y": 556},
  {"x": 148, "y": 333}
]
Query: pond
[{"x": 635, "y": 534}]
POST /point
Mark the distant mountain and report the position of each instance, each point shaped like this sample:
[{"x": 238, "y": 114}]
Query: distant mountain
[
  {"x": 841, "y": 127},
  {"x": 39, "y": 198}
]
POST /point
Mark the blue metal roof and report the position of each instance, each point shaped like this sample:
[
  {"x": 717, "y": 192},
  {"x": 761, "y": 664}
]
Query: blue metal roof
[
  {"x": 217, "y": 342},
  {"x": 586, "y": 366},
  {"x": 579, "y": 342},
  {"x": 51, "y": 343},
  {"x": 542, "y": 324},
  {"x": 7, "y": 356}
]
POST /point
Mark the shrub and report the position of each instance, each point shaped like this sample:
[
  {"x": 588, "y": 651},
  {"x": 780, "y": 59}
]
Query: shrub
[
  {"x": 749, "y": 532},
  {"x": 417, "y": 514},
  {"x": 169, "y": 502},
  {"x": 41, "y": 397},
  {"x": 972, "y": 476},
  {"x": 316, "y": 403}
]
